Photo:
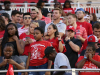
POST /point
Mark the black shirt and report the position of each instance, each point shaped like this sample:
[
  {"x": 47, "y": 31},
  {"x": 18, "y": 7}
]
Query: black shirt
[
  {"x": 97, "y": 52},
  {"x": 71, "y": 54}
]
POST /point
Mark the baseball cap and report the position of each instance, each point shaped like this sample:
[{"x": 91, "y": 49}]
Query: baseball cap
[
  {"x": 70, "y": 28},
  {"x": 35, "y": 9},
  {"x": 80, "y": 9},
  {"x": 48, "y": 50},
  {"x": 92, "y": 39}
]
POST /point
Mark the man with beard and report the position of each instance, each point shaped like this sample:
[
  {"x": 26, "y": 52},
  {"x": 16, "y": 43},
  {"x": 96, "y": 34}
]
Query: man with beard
[
  {"x": 81, "y": 22},
  {"x": 56, "y": 20},
  {"x": 34, "y": 15}
]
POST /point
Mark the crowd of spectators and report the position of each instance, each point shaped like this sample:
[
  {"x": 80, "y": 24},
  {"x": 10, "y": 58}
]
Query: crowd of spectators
[{"x": 41, "y": 39}]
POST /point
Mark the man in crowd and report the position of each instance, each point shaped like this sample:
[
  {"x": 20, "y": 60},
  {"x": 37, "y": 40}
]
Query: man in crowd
[
  {"x": 56, "y": 20},
  {"x": 15, "y": 15},
  {"x": 34, "y": 15},
  {"x": 80, "y": 32},
  {"x": 62, "y": 63},
  {"x": 21, "y": 19},
  {"x": 72, "y": 45},
  {"x": 27, "y": 20},
  {"x": 81, "y": 22}
]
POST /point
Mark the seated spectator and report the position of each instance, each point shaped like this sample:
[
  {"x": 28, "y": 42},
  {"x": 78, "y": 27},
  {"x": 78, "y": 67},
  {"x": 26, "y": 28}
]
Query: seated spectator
[
  {"x": 56, "y": 20},
  {"x": 49, "y": 15},
  {"x": 81, "y": 22},
  {"x": 93, "y": 19},
  {"x": 62, "y": 63},
  {"x": 6, "y": 18},
  {"x": 15, "y": 17},
  {"x": 11, "y": 37},
  {"x": 65, "y": 20},
  {"x": 36, "y": 52},
  {"x": 92, "y": 39},
  {"x": 55, "y": 38},
  {"x": 43, "y": 18},
  {"x": 89, "y": 61},
  {"x": 21, "y": 19},
  {"x": 26, "y": 20},
  {"x": 9, "y": 59},
  {"x": 34, "y": 15},
  {"x": 67, "y": 7},
  {"x": 87, "y": 18},
  {"x": 72, "y": 45}
]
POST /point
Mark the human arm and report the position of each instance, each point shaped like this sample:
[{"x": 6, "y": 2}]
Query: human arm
[
  {"x": 80, "y": 38},
  {"x": 3, "y": 63}
]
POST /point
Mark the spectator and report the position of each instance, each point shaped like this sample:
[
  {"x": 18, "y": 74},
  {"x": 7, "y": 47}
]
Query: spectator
[
  {"x": 34, "y": 15},
  {"x": 21, "y": 19},
  {"x": 93, "y": 19},
  {"x": 11, "y": 36},
  {"x": 72, "y": 45},
  {"x": 89, "y": 61},
  {"x": 92, "y": 40},
  {"x": 7, "y": 5},
  {"x": 62, "y": 63},
  {"x": 26, "y": 20},
  {"x": 9, "y": 59},
  {"x": 80, "y": 32},
  {"x": 44, "y": 10},
  {"x": 81, "y": 22},
  {"x": 65, "y": 20},
  {"x": 15, "y": 15},
  {"x": 55, "y": 38},
  {"x": 56, "y": 20},
  {"x": 43, "y": 18},
  {"x": 87, "y": 13},
  {"x": 87, "y": 18},
  {"x": 67, "y": 7},
  {"x": 49, "y": 15},
  {"x": 36, "y": 52},
  {"x": 58, "y": 5},
  {"x": 28, "y": 37},
  {"x": 6, "y": 18}
]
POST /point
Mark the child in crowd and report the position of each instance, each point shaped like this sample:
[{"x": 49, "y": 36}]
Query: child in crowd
[
  {"x": 36, "y": 52},
  {"x": 10, "y": 59},
  {"x": 89, "y": 61},
  {"x": 55, "y": 38},
  {"x": 11, "y": 36}
]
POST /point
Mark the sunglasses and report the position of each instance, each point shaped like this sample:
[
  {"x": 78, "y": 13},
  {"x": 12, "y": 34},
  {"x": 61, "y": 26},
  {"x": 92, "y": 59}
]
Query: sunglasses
[{"x": 27, "y": 18}]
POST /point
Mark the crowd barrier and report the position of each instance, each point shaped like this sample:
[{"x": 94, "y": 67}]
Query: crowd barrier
[{"x": 73, "y": 70}]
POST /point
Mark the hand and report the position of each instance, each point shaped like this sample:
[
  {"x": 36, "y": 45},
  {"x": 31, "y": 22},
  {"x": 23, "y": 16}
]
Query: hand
[
  {"x": 67, "y": 38},
  {"x": 4, "y": 61},
  {"x": 59, "y": 37},
  {"x": 26, "y": 73},
  {"x": 15, "y": 38},
  {"x": 30, "y": 40},
  {"x": 90, "y": 56},
  {"x": 78, "y": 37},
  {"x": 26, "y": 42},
  {"x": 47, "y": 73},
  {"x": 10, "y": 61}
]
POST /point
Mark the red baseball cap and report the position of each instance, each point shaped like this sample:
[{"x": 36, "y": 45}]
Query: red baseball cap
[
  {"x": 70, "y": 28},
  {"x": 92, "y": 39}
]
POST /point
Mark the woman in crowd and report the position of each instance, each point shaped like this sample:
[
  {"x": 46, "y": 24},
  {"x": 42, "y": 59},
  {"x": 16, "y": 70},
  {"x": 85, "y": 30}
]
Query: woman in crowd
[
  {"x": 93, "y": 18},
  {"x": 67, "y": 7},
  {"x": 36, "y": 53},
  {"x": 9, "y": 59},
  {"x": 55, "y": 38},
  {"x": 65, "y": 21},
  {"x": 11, "y": 36}
]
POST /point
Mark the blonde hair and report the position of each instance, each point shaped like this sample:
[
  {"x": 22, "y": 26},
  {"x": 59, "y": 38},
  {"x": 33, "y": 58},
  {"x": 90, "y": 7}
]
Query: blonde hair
[{"x": 66, "y": 20}]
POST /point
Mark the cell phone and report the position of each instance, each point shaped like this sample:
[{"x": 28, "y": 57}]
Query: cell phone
[{"x": 27, "y": 37}]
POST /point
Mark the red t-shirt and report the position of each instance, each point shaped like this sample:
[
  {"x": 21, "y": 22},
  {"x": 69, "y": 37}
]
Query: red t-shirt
[
  {"x": 55, "y": 44},
  {"x": 37, "y": 53},
  {"x": 69, "y": 10},
  {"x": 87, "y": 26},
  {"x": 89, "y": 65},
  {"x": 46, "y": 19},
  {"x": 2, "y": 33},
  {"x": 23, "y": 37}
]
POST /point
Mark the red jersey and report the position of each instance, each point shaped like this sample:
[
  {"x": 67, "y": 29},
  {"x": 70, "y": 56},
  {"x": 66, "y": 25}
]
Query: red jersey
[
  {"x": 2, "y": 33},
  {"x": 37, "y": 53},
  {"x": 55, "y": 44},
  {"x": 89, "y": 65},
  {"x": 23, "y": 37},
  {"x": 87, "y": 26},
  {"x": 69, "y": 10},
  {"x": 46, "y": 19}
]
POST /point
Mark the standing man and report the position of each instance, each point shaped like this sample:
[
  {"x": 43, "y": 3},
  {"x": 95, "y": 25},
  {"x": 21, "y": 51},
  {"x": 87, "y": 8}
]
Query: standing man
[
  {"x": 56, "y": 20},
  {"x": 72, "y": 45},
  {"x": 81, "y": 22},
  {"x": 34, "y": 15}
]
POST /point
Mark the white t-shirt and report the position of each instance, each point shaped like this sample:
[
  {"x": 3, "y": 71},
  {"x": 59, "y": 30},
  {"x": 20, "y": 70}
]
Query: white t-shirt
[
  {"x": 61, "y": 27},
  {"x": 61, "y": 60}
]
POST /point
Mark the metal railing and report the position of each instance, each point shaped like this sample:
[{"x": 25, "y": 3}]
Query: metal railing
[{"x": 73, "y": 70}]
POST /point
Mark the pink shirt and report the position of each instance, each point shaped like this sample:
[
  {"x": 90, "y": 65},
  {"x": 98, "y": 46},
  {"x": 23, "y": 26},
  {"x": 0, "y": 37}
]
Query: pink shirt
[
  {"x": 22, "y": 30},
  {"x": 46, "y": 19}
]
